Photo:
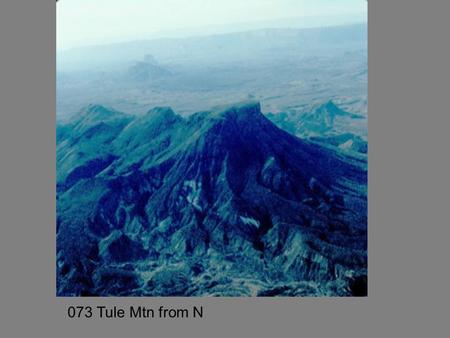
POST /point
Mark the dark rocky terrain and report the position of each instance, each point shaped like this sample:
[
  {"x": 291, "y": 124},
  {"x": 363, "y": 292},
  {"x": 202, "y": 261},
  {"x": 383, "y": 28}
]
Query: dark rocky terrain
[{"x": 220, "y": 203}]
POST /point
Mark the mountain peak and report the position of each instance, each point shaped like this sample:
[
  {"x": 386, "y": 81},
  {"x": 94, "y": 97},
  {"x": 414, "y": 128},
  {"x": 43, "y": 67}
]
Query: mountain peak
[
  {"x": 330, "y": 104},
  {"x": 98, "y": 109},
  {"x": 160, "y": 112},
  {"x": 330, "y": 109},
  {"x": 94, "y": 114},
  {"x": 239, "y": 111},
  {"x": 99, "y": 113}
]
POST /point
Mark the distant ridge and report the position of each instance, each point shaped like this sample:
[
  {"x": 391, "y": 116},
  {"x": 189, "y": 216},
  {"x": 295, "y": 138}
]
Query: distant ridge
[{"x": 199, "y": 47}]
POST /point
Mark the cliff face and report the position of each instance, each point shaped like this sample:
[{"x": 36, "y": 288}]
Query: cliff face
[{"x": 220, "y": 203}]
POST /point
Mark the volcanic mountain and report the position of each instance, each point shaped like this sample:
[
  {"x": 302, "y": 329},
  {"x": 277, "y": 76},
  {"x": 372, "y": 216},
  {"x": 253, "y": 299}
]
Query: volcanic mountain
[{"x": 222, "y": 202}]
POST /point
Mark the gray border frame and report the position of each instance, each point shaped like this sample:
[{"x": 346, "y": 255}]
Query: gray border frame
[{"x": 409, "y": 81}]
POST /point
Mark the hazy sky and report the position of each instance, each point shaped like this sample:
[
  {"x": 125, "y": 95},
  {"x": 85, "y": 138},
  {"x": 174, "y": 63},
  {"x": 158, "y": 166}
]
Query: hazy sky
[{"x": 85, "y": 22}]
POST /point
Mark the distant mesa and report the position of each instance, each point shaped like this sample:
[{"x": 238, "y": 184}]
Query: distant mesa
[
  {"x": 150, "y": 59},
  {"x": 147, "y": 70}
]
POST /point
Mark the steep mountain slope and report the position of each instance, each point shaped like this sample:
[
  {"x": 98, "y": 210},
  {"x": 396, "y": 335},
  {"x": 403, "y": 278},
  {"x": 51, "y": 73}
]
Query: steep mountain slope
[{"x": 220, "y": 203}]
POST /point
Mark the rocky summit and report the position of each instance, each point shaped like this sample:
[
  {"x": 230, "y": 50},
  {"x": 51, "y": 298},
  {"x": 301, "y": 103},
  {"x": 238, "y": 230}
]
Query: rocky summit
[{"x": 220, "y": 203}]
